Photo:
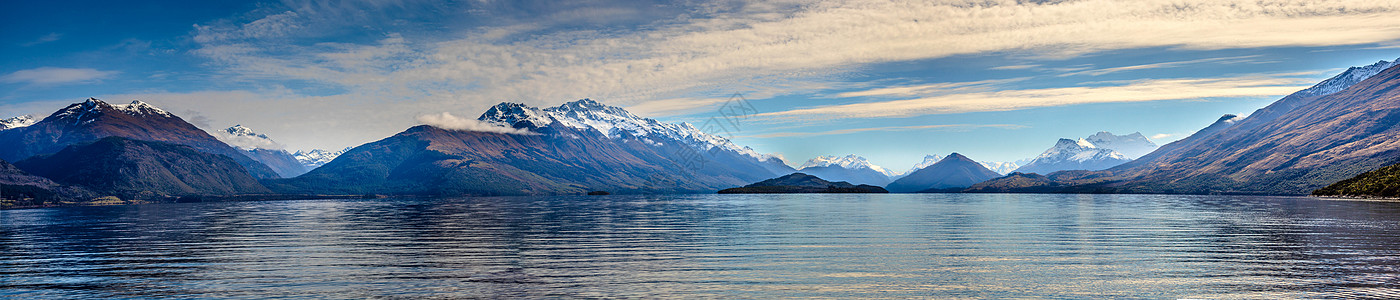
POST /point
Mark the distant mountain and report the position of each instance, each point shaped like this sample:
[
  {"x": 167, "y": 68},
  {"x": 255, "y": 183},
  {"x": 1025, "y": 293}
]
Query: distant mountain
[
  {"x": 1303, "y": 142},
  {"x": 315, "y": 158},
  {"x": 143, "y": 169},
  {"x": 929, "y": 160},
  {"x": 849, "y": 168},
  {"x": 955, "y": 171},
  {"x": 19, "y": 188},
  {"x": 17, "y": 122},
  {"x": 94, "y": 119},
  {"x": 262, "y": 149},
  {"x": 1070, "y": 154},
  {"x": 1003, "y": 167},
  {"x": 1132, "y": 146},
  {"x": 802, "y": 183},
  {"x": 574, "y": 148}
]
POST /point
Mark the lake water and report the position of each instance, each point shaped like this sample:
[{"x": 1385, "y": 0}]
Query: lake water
[{"x": 944, "y": 246}]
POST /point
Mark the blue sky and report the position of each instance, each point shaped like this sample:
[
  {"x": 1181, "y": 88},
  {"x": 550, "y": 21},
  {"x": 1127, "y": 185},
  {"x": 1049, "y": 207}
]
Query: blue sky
[{"x": 890, "y": 81}]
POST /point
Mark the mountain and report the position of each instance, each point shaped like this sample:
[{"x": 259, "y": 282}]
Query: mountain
[
  {"x": 94, "y": 119},
  {"x": 1003, "y": 167},
  {"x": 1070, "y": 154},
  {"x": 143, "y": 169},
  {"x": 315, "y": 158},
  {"x": 955, "y": 171},
  {"x": 796, "y": 183},
  {"x": 1131, "y": 146},
  {"x": 19, "y": 188},
  {"x": 850, "y": 168},
  {"x": 574, "y": 148},
  {"x": 1303, "y": 142},
  {"x": 262, "y": 149},
  {"x": 1383, "y": 182},
  {"x": 929, "y": 160},
  {"x": 17, "y": 122}
]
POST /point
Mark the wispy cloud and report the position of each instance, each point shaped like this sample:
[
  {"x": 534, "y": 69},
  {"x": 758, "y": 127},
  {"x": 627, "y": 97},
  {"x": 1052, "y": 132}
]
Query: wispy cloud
[
  {"x": 44, "y": 39},
  {"x": 1014, "y": 67},
  {"x": 1217, "y": 60},
  {"x": 1130, "y": 91},
  {"x": 929, "y": 89},
  {"x": 56, "y": 76},
  {"x": 887, "y": 128}
]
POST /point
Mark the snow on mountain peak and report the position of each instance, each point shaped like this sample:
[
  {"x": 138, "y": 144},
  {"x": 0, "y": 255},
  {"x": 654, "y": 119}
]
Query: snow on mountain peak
[
  {"x": 1348, "y": 78},
  {"x": 316, "y": 157},
  {"x": 138, "y": 108},
  {"x": 612, "y": 121},
  {"x": 245, "y": 138},
  {"x": 1132, "y": 145},
  {"x": 1078, "y": 150},
  {"x": 850, "y": 161},
  {"x": 17, "y": 122},
  {"x": 929, "y": 160}
]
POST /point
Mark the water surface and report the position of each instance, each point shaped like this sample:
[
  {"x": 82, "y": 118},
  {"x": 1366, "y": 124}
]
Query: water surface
[{"x": 944, "y": 246}]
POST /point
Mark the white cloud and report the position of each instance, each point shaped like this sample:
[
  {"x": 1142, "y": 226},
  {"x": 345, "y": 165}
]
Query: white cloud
[
  {"x": 1131, "y": 91},
  {"x": 55, "y": 76},
  {"x": 1215, "y": 60},
  {"x": 448, "y": 121},
  {"x": 246, "y": 142}
]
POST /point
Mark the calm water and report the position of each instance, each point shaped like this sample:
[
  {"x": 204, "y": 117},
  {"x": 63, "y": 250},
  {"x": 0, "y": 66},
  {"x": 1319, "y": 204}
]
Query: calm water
[{"x": 706, "y": 246}]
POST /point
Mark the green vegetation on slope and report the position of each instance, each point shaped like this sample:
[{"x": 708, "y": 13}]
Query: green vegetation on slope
[{"x": 1383, "y": 182}]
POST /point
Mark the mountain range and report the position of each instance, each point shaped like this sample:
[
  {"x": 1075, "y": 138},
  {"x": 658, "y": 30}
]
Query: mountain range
[
  {"x": 1339, "y": 128},
  {"x": 574, "y": 148},
  {"x": 94, "y": 119},
  {"x": 849, "y": 168},
  {"x": 802, "y": 183},
  {"x": 262, "y": 149},
  {"x": 1096, "y": 152}
]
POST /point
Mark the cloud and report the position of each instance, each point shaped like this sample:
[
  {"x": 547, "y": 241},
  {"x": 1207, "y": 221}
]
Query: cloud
[
  {"x": 1015, "y": 67},
  {"x": 1216, "y": 60},
  {"x": 731, "y": 49},
  {"x": 56, "y": 76},
  {"x": 44, "y": 39},
  {"x": 448, "y": 121},
  {"x": 1162, "y": 136},
  {"x": 888, "y": 128},
  {"x": 1129, "y": 91}
]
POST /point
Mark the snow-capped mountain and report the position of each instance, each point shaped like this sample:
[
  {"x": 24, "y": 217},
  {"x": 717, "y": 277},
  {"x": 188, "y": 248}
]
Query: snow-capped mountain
[
  {"x": 316, "y": 157},
  {"x": 245, "y": 138},
  {"x": 17, "y": 122},
  {"x": 849, "y": 168},
  {"x": 1348, "y": 78},
  {"x": 1002, "y": 167},
  {"x": 850, "y": 161},
  {"x": 262, "y": 149},
  {"x": 1070, "y": 154},
  {"x": 929, "y": 160},
  {"x": 1132, "y": 145},
  {"x": 615, "y": 122}
]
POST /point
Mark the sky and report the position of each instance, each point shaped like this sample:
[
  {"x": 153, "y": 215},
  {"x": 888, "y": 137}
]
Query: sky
[{"x": 887, "y": 80}]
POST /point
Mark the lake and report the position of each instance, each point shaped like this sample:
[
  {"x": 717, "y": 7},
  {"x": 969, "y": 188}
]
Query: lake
[{"x": 944, "y": 246}]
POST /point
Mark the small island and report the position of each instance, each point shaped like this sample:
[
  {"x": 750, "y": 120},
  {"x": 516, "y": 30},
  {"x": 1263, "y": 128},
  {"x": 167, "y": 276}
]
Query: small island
[{"x": 799, "y": 183}]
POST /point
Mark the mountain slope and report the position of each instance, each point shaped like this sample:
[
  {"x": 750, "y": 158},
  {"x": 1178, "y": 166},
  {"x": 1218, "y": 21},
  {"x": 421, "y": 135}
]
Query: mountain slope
[
  {"x": 955, "y": 171},
  {"x": 135, "y": 168},
  {"x": 94, "y": 119},
  {"x": 16, "y": 122},
  {"x": 801, "y": 183}
]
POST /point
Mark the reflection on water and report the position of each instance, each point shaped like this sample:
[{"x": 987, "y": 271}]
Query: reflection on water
[{"x": 702, "y": 246}]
